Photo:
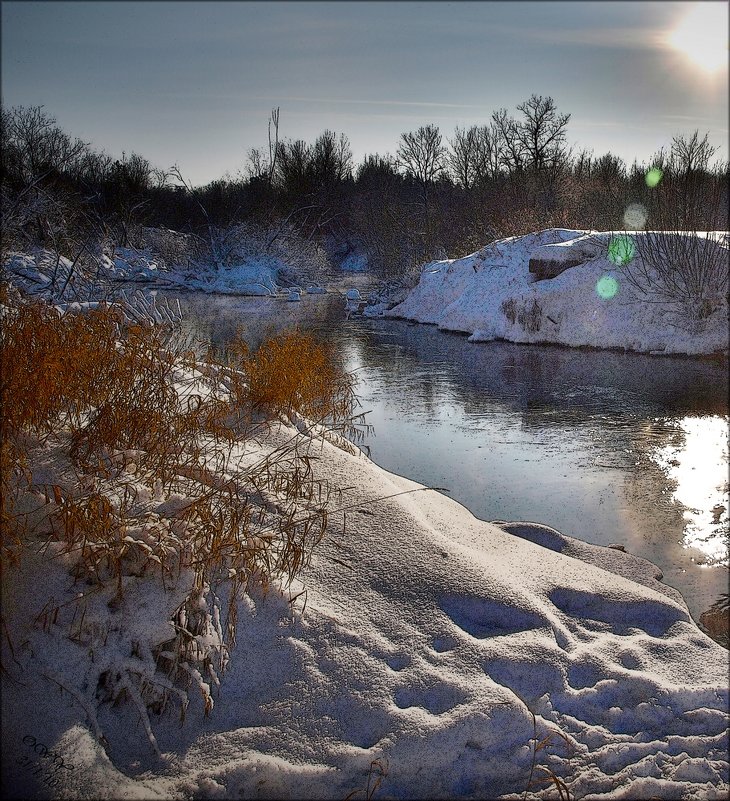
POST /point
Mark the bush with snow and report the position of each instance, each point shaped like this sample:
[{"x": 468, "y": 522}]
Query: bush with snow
[
  {"x": 128, "y": 466},
  {"x": 602, "y": 295}
]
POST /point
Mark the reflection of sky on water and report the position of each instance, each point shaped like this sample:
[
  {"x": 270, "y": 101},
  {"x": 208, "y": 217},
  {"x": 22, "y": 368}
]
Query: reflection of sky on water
[
  {"x": 562, "y": 436},
  {"x": 696, "y": 462}
]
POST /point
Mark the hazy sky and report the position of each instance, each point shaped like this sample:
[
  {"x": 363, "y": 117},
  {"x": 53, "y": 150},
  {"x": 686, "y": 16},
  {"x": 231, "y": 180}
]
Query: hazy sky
[{"x": 192, "y": 83}]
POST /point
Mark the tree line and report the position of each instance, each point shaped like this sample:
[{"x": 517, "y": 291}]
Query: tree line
[{"x": 436, "y": 196}]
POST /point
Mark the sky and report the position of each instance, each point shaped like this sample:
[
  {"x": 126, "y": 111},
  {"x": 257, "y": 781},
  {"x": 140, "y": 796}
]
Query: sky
[{"x": 192, "y": 83}]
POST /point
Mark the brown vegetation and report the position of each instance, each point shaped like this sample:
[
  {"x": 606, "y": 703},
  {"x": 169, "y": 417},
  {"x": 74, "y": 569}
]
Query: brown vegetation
[{"x": 145, "y": 478}]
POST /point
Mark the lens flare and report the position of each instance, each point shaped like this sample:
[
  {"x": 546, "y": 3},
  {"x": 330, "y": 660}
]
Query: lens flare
[
  {"x": 606, "y": 287},
  {"x": 621, "y": 249},
  {"x": 635, "y": 217},
  {"x": 653, "y": 177}
]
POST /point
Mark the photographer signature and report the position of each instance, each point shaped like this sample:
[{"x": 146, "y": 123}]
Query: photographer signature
[{"x": 41, "y": 762}]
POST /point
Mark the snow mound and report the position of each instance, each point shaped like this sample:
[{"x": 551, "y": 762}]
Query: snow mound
[
  {"x": 433, "y": 647},
  {"x": 589, "y": 299},
  {"x": 255, "y": 277}
]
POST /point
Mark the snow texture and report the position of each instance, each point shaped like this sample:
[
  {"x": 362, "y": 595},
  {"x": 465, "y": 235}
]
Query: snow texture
[
  {"x": 428, "y": 641},
  {"x": 491, "y": 294}
]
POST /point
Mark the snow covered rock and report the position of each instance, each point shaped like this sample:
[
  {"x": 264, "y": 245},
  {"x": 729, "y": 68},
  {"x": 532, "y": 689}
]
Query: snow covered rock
[{"x": 591, "y": 297}]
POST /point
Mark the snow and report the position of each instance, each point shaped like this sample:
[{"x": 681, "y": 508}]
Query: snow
[
  {"x": 429, "y": 648},
  {"x": 253, "y": 276},
  {"x": 491, "y": 294},
  {"x": 426, "y": 641}
]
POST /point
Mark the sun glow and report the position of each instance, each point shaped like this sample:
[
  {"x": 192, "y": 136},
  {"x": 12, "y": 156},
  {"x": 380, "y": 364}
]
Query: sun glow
[
  {"x": 702, "y": 35},
  {"x": 696, "y": 463}
]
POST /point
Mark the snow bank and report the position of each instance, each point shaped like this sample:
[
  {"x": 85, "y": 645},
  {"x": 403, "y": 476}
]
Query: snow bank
[
  {"x": 36, "y": 273},
  {"x": 491, "y": 294},
  {"x": 255, "y": 277},
  {"x": 428, "y": 641}
]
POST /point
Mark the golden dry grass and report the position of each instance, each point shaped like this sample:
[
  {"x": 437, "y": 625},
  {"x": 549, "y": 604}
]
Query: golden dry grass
[{"x": 127, "y": 412}]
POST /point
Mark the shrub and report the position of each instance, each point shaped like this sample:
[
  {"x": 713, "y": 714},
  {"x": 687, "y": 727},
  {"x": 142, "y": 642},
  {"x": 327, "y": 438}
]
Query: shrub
[
  {"x": 682, "y": 269},
  {"x": 294, "y": 373},
  {"x": 144, "y": 486}
]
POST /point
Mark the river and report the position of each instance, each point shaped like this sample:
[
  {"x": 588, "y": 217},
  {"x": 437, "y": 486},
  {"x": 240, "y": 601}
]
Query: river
[{"x": 609, "y": 447}]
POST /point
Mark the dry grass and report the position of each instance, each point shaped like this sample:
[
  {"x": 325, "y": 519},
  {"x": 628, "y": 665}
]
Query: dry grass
[
  {"x": 376, "y": 774},
  {"x": 138, "y": 424},
  {"x": 547, "y": 776},
  {"x": 293, "y": 372}
]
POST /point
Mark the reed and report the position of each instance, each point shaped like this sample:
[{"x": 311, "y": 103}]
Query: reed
[{"x": 153, "y": 486}]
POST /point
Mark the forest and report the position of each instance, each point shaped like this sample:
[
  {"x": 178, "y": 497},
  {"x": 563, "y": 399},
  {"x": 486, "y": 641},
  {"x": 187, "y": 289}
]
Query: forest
[{"x": 436, "y": 196}]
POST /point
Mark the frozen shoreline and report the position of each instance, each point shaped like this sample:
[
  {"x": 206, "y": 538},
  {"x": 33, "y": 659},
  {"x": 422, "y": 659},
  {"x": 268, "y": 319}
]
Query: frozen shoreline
[
  {"x": 429, "y": 647},
  {"x": 491, "y": 294},
  {"x": 428, "y": 639}
]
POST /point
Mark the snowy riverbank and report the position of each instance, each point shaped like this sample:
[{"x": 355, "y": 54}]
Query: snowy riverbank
[
  {"x": 592, "y": 301},
  {"x": 430, "y": 652},
  {"x": 428, "y": 640},
  {"x": 568, "y": 287}
]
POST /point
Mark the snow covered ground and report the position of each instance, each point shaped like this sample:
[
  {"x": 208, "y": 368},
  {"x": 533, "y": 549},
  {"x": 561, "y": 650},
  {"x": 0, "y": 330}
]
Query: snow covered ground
[
  {"x": 427, "y": 642},
  {"x": 39, "y": 271},
  {"x": 433, "y": 655},
  {"x": 491, "y": 294}
]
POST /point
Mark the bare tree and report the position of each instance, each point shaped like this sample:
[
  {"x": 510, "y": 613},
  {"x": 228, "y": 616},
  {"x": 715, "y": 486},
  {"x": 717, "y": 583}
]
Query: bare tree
[
  {"x": 214, "y": 242},
  {"x": 535, "y": 143},
  {"x": 475, "y": 154},
  {"x": 331, "y": 159},
  {"x": 542, "y": 132},
  {"x": 462, "y": 156},
  {"x": 34, "y": 146},
  {"x": 691, "y": 194},
  {"x": 257, "y": 167},
  {"x": 512, "y": 150},
  {"x": 488, "y": 148},
  {"x": 688, "y": 156},
  {"x": 273, "y": 142},
  {"x": 422, "y": 154},
  {"x": 423, "y": 157},
  {"x": 294, "y": 167},
  {"x": 262, "y": 167},
  {"x": 609, "y": 170},
  {"x": 94, "y": 167},
  {"x": 583, "y": 163},
  {"x": 375, "y": 169}
]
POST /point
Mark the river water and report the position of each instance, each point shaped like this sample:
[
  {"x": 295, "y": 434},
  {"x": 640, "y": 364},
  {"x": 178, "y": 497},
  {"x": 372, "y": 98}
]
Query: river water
[{"x": 605, "y": 446}]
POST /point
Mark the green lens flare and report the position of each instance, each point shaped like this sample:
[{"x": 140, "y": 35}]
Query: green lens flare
[
  {"x": 606, "y": 287},
  {"x": 621, "y": 250},
  {"x": 653, "y": 176}
]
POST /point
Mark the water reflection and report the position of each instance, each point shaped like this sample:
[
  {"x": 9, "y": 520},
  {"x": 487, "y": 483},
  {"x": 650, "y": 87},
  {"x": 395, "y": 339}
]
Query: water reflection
[
  {"x": 695, "y": 462},
  {"x": 598, "y": 444}
]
